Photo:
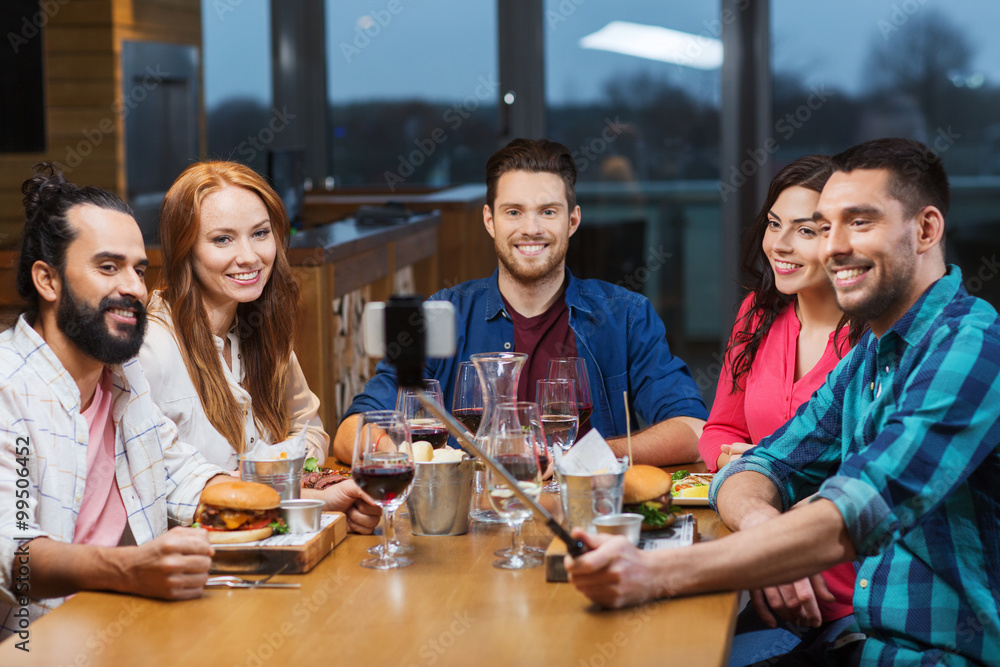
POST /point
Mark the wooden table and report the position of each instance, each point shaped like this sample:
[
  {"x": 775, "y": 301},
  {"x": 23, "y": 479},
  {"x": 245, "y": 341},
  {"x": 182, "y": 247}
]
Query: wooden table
[{"x": 451, "y": 607}]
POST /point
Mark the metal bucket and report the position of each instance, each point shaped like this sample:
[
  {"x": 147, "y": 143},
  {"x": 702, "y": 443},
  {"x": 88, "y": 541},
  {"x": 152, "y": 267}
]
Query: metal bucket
[
  {"x": 585, "y": 497},
  {"x": 282, "y": 475},
  {"x": 439, "y": 497}
]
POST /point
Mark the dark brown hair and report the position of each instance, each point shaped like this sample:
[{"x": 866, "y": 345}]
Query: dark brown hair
[
  {"x": 536, "y": 156},
  {"x": 809, "y": 171},
  {"x": 267, "y": 325},
  {"x": 917, "y": 177}
]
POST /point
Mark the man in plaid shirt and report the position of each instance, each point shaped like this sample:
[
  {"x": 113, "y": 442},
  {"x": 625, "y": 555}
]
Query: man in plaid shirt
[
  {"x": 896, "y": 456},
  {"x": 88, "y": 465}
]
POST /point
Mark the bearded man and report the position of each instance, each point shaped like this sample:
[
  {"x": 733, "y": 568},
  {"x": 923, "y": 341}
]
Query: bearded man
[
  {"x": 90, "y": 471},
  {"x": 533, "y": 304}
]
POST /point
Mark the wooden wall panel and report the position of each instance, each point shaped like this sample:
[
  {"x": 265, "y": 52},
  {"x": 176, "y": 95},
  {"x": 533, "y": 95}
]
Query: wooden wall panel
[
  {"x": 83, "y": 82},
  {"x": 79, "y": 71}
]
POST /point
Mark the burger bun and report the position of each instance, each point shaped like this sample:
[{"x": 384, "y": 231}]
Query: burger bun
[
  {"x": 643, "y": 482},
  {"x": 238, "y": 536},
  {"x": 241, "y": 496}
]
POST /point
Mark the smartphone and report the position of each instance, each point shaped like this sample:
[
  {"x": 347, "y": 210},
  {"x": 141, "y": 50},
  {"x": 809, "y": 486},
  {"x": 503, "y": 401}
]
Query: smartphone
[{"x": 438, "y": 330}]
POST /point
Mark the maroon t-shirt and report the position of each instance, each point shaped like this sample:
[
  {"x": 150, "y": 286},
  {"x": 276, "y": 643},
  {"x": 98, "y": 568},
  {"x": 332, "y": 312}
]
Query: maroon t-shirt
[{"x": 546, "y": 336}]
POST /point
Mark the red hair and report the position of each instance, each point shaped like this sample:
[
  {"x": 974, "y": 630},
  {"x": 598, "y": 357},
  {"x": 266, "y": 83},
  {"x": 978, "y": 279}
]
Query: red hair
[{"x": 267, "y": 326}]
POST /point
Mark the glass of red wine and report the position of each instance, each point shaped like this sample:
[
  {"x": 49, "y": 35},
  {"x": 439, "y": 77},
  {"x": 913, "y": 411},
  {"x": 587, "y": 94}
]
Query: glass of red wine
[
  {"x": 423, "y": 424},
  {"x": 575, "y": 368},
  {"x": 516, "y": 441},
  {"x": 383, "y": 468},
  {"x": 557, "y": 403},
  {"x": 467, "y": 404}
]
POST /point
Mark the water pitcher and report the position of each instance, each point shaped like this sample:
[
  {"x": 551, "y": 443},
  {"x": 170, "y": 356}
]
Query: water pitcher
[{"x": 498, "y": 375}]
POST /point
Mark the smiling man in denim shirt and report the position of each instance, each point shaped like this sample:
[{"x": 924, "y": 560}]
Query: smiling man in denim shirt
[{"x": 533, "y": 304}]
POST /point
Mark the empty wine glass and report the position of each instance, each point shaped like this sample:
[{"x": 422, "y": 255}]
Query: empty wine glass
[
  {"x": 575, "y": 368},
  {"x": 557, "y": 404},
  {"x": 382, "y": 466},
  {"x": 516, "y": 440}
]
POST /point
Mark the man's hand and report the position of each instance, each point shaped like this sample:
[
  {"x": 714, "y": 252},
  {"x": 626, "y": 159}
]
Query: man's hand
[
  {"x": 174, "y": 566},
  {"x": 361, "y": 511},
  {"x": 615, "y": 574}
]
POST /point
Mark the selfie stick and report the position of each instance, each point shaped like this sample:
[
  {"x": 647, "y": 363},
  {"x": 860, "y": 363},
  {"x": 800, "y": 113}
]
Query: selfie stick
[{"x": 573, "y": 546}]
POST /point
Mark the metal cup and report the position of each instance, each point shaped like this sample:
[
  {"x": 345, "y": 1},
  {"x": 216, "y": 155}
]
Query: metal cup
[
  {"x": 439, "y": 497},
  {"x": 585, "y": 497},
  {"x": 282, "y": 475},
  {"x": 302, "y": 516}
]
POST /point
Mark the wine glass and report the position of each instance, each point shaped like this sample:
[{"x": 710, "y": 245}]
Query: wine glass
[
  {"x": 423, "y": 424},
  {"x": 382, "y": 466},
  {"x": 467, "y": 403},
  {"x": 516, "y": 440},
  {"x": 403, "y": 398},
  {"x": 557, "y": 404},
  {"x": 575, "y": 368}
]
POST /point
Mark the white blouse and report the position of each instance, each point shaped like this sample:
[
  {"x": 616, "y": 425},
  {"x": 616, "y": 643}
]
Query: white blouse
[{"x": 174, "y": 393}]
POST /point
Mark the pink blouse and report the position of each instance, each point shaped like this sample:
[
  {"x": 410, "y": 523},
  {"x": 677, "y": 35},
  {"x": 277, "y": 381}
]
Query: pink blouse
[{"x": 770, "y": 397}]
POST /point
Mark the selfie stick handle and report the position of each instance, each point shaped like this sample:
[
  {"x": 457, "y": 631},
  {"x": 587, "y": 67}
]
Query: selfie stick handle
[{"x": 573, "y": 546}]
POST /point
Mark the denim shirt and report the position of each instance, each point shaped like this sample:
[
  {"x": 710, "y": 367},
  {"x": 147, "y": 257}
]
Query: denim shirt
[{"x": 617, "y": 332}]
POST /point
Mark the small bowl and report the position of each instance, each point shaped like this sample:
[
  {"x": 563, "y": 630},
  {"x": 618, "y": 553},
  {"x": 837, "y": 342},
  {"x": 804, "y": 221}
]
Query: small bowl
[
  {"x": 626, "y": 524},
  {"x": 302, "y": 516}
]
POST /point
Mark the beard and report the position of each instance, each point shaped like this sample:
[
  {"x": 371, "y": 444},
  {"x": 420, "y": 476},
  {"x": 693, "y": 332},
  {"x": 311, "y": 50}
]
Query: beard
[
  {"x": 88, "y": 329},
  {"x": 881, "y": 298},
  {"x": 525, "y": 272}
]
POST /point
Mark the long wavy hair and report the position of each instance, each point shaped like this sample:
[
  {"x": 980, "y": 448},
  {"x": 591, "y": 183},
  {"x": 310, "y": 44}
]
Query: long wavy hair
[
  {"x": 809, "y": 171},
  {"x": 267, "y": 326}
]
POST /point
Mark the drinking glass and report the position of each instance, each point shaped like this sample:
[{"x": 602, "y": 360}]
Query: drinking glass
[
  {"x": 557, "y": 404},
  {"x": 406, "y": 398},
  {"x": 382, "y": 466},
  {"x": 423, "y": 424},
  {"x": 574, "y": 368},
  {"x": 516, "y": 441},
  {"x": 467, "y": 404}
]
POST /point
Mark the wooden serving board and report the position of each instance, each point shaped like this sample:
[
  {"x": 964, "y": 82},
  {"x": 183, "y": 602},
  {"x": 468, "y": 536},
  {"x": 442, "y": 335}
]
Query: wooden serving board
[
  {"x": 555, "y": 570},
  {"x": 263, "y": 558}
]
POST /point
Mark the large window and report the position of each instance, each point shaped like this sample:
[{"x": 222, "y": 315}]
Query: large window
[
  {"x": 238, "y": 97},
  {"x": 860, "y": 69},
  {"x": 413, "y": 91},
  {"x": 633, "y": 89}
]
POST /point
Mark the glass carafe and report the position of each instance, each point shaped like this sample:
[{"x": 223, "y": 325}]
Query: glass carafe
[{"x": 498, "y": 375}]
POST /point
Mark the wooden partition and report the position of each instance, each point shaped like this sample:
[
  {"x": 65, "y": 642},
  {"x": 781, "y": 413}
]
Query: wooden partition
[
  {"x": 465, "y": 250},
  {"x": 341, "y": 272}
]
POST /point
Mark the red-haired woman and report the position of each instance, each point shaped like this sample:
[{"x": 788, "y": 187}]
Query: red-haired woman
[
  {"x": 788, "y": 336},
  {"x": 218, "y": 353}
]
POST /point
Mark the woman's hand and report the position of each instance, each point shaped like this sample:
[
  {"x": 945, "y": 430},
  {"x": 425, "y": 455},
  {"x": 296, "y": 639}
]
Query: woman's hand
[
  {"x": 732, "y": 452},
  {"x": 361, "y": 511}
]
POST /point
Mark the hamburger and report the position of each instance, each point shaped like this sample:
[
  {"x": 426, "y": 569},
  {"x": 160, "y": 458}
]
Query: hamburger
[
  {"x": 647, "y": 492},
  {"x": 234, "y": 512}
]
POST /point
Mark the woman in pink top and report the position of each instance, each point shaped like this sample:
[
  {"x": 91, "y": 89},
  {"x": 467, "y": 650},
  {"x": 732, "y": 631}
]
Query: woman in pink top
[{"x": 789, "y": 334}]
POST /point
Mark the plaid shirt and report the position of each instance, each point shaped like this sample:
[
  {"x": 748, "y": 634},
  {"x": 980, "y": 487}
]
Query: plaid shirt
[
  {"x": 40, "y": 416},
  {"x": 903, "y": 439}
]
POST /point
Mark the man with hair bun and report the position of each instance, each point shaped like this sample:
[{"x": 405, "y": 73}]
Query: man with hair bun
[{"x": 90, "y": 471}]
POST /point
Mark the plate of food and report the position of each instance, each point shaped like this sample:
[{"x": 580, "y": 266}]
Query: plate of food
[
  {"x": 691, "y": 488},
  {"x": 316, "y": 477}
]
